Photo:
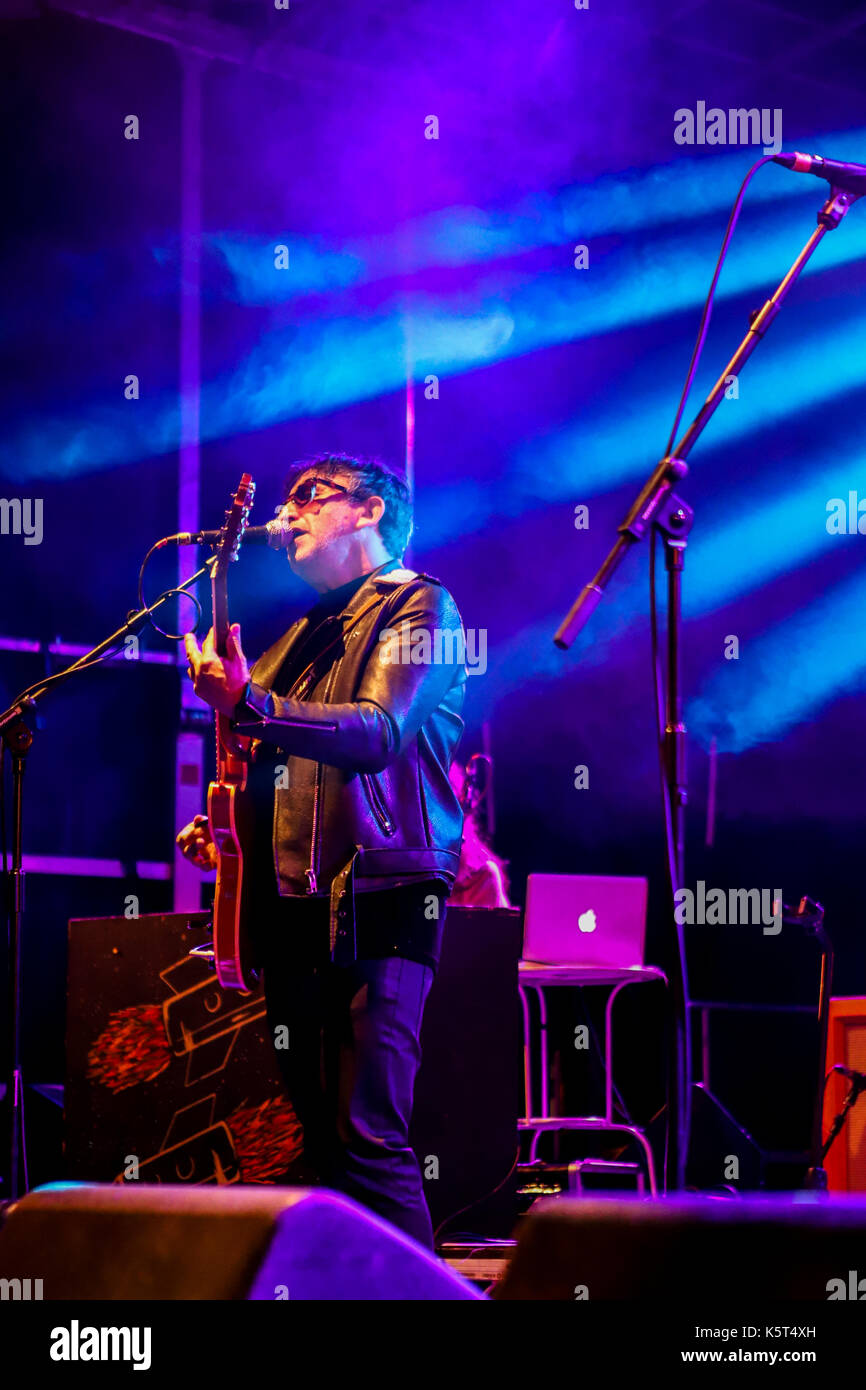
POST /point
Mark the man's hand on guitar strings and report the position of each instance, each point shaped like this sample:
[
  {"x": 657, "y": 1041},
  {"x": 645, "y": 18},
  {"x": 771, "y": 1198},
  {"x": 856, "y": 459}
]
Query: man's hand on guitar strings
[{"x": 218, "y": 680}]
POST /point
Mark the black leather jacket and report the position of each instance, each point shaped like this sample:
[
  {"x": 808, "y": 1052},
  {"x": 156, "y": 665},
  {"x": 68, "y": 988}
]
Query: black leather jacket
[{"x": 363, "y": 800}]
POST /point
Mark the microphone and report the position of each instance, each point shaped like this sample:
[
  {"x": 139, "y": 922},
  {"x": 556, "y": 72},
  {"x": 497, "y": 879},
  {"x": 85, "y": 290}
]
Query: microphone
[
  {"x": 851, "y": 177},
  {"x": 277, "y": 534}
]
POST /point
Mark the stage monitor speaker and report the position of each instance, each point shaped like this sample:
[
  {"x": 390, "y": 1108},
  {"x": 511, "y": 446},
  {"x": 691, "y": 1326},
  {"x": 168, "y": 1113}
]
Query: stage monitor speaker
[
  {"x": 85, "y": 1241},
  {"x": 675, "y": 1250},
  {"x": 846, "y": 1044}
]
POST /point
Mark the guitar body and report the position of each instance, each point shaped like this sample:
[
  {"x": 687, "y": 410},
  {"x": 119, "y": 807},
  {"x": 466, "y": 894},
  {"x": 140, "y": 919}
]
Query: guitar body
[{"x": 229, "y": 805}]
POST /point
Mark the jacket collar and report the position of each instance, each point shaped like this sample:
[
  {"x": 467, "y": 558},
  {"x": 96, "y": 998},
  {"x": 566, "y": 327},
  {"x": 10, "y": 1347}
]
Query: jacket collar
[
  {"x": 380, "y": 581},
  {"x": 375, "y": 588}
]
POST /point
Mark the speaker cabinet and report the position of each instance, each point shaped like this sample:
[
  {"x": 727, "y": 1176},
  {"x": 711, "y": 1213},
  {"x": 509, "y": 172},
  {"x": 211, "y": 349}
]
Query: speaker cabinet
[
  {"x": 846, "y": 1044},
  {"x": 678, "y": 1250},
  {"x": 85, "y": 1241}
]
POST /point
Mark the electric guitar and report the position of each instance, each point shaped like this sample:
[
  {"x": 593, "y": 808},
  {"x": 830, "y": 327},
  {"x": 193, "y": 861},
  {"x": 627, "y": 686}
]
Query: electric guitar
[{"x": 229, "y": 805}]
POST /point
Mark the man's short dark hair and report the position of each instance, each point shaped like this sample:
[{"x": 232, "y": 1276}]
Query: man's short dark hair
[{"x": 371, "y": 478}]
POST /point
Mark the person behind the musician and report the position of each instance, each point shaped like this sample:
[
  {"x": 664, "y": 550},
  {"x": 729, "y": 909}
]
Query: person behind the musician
[
  {"x": 358, "y": 827},
  {"x": 482, "y": 877}
]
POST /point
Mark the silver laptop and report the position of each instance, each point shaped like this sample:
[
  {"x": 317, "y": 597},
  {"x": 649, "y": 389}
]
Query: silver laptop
[{"x": 585, "y": 919}]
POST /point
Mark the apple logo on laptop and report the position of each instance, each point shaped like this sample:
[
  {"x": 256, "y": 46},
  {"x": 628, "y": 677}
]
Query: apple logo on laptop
[{"x": 586, "y": 921}]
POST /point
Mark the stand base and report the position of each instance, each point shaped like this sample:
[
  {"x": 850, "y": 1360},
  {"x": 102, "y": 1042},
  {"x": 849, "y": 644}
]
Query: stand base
[{"x": 816, "y": 1180}]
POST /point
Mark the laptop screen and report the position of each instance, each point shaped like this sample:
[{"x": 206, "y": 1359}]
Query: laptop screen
[{"x": 585, "y": 919}]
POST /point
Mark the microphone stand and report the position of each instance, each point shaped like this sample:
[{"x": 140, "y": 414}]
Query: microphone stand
[
  {"x": 816, "y": 1174},
  {"x": 658, "y": 506},
  {"x": 856, "y": 1089},
  {"x": 17, "y": 726}
]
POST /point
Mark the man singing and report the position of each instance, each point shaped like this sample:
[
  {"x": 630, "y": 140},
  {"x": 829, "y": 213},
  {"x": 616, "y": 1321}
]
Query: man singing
[{"x": 356, "y": 714}]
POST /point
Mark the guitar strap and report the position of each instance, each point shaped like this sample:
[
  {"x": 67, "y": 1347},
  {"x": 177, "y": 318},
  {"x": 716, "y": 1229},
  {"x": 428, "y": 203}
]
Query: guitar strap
[{"x": 313, "y": 673}]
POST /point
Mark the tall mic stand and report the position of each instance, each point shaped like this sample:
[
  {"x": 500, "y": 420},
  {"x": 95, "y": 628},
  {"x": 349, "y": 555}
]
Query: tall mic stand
[
  {"x": 813, "y": 915},
  {"x": 657, "y": 506},
  {"x": 17, "y": 725}
]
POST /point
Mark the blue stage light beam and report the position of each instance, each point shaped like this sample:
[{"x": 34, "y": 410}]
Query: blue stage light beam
[
  {"x": 327, "y": 363},
  {"x": 610, "y": 446},
  {"x": 788, "y": 676},
  {"x": 622, "y": 203},
  {"x": 770, "y": 534}
]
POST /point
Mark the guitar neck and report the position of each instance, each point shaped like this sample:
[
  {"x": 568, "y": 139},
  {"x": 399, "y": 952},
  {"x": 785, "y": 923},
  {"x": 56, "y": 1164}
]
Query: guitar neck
[{"x": 220, "y": 607}]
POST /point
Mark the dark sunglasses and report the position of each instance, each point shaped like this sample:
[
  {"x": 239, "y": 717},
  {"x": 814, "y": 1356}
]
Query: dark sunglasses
[{"x": 310, "y": 491}]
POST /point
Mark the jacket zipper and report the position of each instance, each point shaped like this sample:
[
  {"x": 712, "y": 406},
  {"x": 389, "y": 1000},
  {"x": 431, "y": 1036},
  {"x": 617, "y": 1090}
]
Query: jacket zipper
[
  {"x": 311, "y": 874},
  {"x": 313, "y": 871},
  {"x": 377, "y": 801}
]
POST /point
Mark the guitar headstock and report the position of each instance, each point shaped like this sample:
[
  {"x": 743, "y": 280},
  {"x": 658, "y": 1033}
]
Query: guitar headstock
[{"x": 236, "y": 522}]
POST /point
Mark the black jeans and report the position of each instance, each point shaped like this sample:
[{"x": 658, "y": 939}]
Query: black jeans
[{"x": 350, "y": 1064}]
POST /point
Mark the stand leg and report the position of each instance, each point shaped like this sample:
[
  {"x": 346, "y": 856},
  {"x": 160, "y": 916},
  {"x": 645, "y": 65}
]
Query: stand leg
[
  {"x": 18, "y": 739},
  {"x": 816, "y": 1177},
  {"x": 674, "y": 521}
]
